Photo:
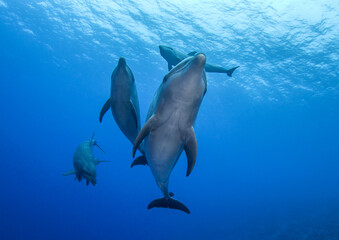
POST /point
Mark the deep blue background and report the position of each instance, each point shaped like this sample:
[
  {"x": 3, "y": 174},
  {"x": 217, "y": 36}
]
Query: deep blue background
[{"x": 267, "y": 164}]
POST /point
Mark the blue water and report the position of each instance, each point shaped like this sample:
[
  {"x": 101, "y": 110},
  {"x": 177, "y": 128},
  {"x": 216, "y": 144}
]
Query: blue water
[{"x": 268, "y": 138}]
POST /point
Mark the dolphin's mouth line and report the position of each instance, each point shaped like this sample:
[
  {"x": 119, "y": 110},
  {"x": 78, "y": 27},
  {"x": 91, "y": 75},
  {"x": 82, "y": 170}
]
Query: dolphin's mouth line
[{"x": 183, "y": 67}]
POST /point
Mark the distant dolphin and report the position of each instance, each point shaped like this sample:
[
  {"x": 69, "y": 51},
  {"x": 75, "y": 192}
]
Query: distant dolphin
[
  {"x": 84, "y": 162},
  {"x": 124, "y": 104},
  {"x": 169, "y": 129},
  {"x": 173, "y": 57}
]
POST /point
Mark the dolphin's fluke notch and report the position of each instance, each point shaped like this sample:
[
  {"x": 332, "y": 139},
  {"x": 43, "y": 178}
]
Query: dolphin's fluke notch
[
  {"x": 168, "y": 203},
  {"x": 230, "y": 71},
  {"x": 104, "y": 109},
  {"x": 141, "y": 160}
]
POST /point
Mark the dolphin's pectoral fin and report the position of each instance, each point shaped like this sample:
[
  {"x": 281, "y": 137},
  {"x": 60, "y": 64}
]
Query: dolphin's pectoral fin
[
  {"x": 68, "y": 173},
  {"x": 168, "y": 203},
  {"x": 133, "y": 113},
  {"x": 141, "y": 160},
  {"x": 97, "y": 161},
  {"x": 230, "y": 71},
  {"x": 192, "y": 53},
  {"x": 190, "y": 148},
  {"x": 169, "y": 67},
  {"x": 104, "y": 109},
  {"x": 151, "y": 123},
  {"x": 96, "y": 144}
]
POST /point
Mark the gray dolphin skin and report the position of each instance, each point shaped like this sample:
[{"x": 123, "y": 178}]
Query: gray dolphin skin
[
  {"x": 169, "y": 129},
  {"x": 124, "y": 104},
  {"x": 84, "y": 162},
  {"x": 173, "y": 57}
]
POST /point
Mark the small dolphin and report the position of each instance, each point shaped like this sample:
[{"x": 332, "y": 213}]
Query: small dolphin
[
  {"x": 173, "y": 57},
  {"x": 124, "y": 104},
  {"x": 169, "y": 129},
  {"x": 84, "y": 162}
]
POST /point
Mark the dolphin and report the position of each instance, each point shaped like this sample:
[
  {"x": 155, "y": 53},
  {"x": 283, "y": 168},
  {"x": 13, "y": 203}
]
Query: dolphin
[
  {"x": 173, "y": 57},
  {"x": 84, "y": 162},
  {"x": 124, "y": 105},
  {"x": 169, "y": 127}
]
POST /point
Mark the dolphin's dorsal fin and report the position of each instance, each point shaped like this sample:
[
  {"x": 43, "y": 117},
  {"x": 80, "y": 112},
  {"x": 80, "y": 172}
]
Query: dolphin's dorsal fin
[
  {"x": 68, "y": 173},
  {"x": 192, "y": 53},
  {"x": 104, "y": 109},
  {"x": 149, "y": 125},
  {"x": 190, "y": 147}
]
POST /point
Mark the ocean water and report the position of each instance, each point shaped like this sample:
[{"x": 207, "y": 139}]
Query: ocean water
[{"x": 268, "y": 137}]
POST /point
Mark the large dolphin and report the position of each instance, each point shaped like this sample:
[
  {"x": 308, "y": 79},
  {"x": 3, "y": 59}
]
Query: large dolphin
[
  {"x": 84, "y": 162},
  {"x": 173, "y": 57},
  {"x": 124, "y": 104},
  {"x": 169, "y": 129}
]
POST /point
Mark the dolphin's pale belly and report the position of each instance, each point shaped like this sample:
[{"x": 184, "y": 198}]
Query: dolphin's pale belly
[
  {"x": 124, "y": 119},
  {"x": 165, "y": 143},
  {"x": 163, "y": 148}
]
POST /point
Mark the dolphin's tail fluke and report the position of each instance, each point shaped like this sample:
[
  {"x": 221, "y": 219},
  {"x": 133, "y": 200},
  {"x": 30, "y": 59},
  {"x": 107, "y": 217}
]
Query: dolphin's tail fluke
[
  {"x": 168, "y": 202},
  {"x": 141, "y": 160},
  {"x": 230, "y": 71}
]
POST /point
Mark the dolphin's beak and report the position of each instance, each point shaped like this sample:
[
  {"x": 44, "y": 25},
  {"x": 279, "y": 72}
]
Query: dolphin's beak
[
  {"x": 200, "y": 58},
  {"x": 198, "y": 61},
  {"x": 122, "y": 61}
]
